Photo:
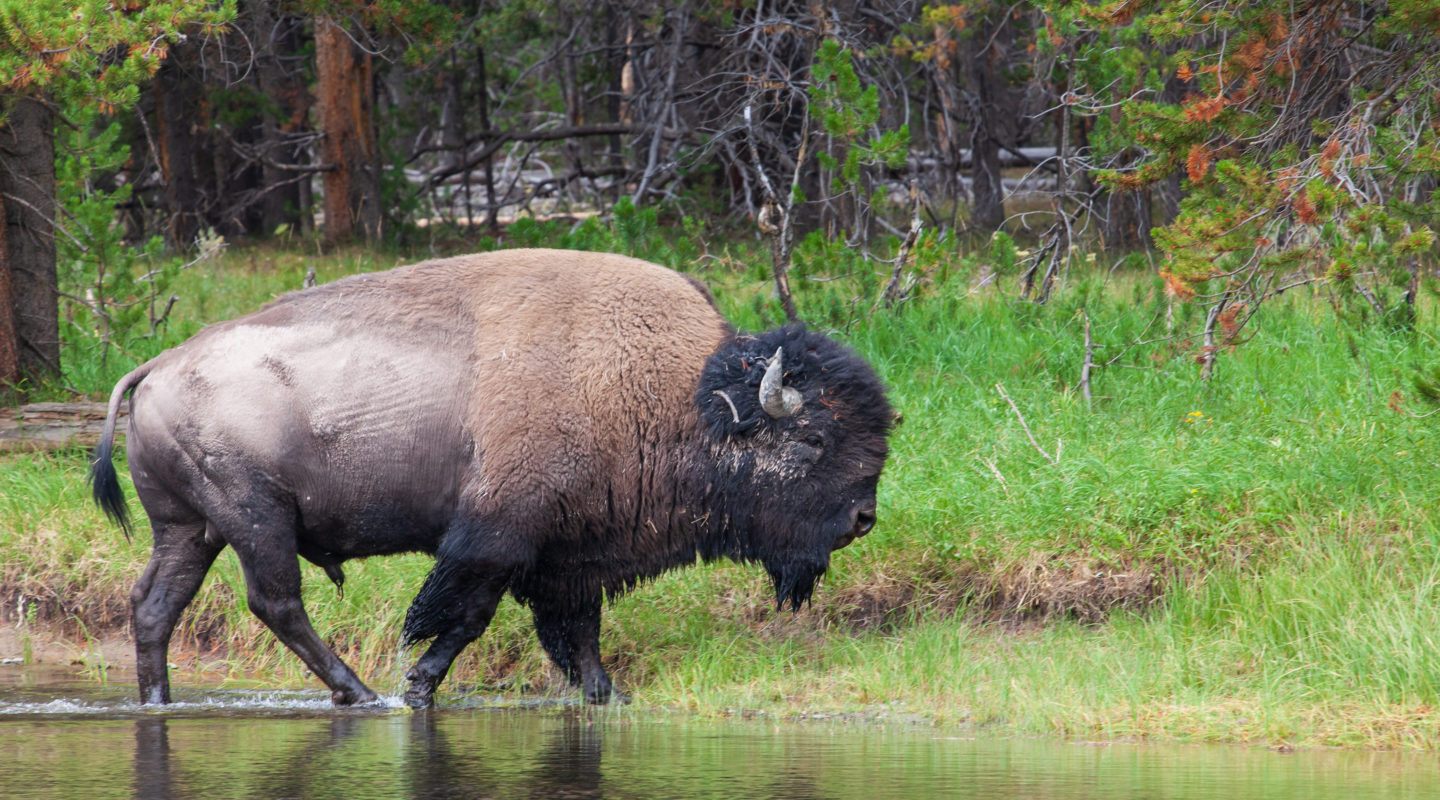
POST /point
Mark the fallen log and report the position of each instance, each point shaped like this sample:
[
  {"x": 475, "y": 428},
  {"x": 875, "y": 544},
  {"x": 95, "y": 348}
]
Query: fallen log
[{"x": 45, "y": 427}]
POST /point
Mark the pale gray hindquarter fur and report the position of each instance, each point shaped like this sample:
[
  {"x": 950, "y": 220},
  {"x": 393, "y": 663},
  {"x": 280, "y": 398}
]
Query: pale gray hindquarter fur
[{"x": 356, "y": 427}]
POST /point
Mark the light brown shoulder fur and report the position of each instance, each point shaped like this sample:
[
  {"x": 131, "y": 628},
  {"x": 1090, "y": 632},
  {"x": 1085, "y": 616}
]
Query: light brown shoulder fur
[{"x": 582, "y": 362}]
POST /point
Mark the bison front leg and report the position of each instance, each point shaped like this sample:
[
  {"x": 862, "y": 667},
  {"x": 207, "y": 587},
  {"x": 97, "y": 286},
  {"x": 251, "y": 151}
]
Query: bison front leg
[
  {"x": 570, "y": 633},
  {"x": 454, "y": 607},
  {"x": 177, "y": 567}
]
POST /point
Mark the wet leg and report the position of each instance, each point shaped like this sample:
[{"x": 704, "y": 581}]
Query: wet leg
[
  {"x": 476, "y": 598},
  {"x": 571, "y": 635},
  {"x": 474, "y": 565},
  {"x": 272, "y": 580},
  {"x": 177, "y": 567}
]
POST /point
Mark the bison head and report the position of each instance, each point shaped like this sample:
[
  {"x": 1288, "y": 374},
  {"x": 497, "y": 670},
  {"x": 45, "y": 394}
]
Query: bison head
[{"x": 796, "y": 426}]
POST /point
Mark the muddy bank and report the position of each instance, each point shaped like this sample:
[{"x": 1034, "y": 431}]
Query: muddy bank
[
  {"x": 44, "y": 647},
  {"x": 1016, "y": 598}
]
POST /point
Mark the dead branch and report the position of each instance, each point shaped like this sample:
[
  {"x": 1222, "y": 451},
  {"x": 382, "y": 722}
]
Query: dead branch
[
  {"x": 1031, "y": 436},
  {"x": 778, "y": 232},
  {"x": 892, "y": 292}
]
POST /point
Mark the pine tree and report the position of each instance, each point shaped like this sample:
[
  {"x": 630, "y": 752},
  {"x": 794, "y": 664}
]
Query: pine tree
[
  {"x": 55, "y": 56},
  {"x": 1306, "y": 137}
]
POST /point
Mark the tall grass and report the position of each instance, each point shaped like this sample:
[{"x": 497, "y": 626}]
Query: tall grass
[
  {"x": 1332, "y": 642},
  {"x": 1251, "y": 558}
]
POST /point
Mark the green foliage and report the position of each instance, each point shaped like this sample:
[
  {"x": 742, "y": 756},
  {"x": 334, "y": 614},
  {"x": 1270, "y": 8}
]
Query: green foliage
[
  {"x": 95, "y": 52},
  {"x": 1004, "y": 253},
  {"x": 1284, "y": 177},
  {"x": 115, "y": 296},
  {"x": 848, "y": 113}
]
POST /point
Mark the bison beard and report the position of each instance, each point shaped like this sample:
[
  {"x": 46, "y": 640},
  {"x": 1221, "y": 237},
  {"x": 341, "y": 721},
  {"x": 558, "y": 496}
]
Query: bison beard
[{"x": 795, "y": 581}]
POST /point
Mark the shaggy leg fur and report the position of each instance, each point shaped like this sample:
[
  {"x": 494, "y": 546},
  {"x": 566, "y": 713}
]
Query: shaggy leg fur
[
  {"x": 455, "y": 605},
  {"x": 474, "y": 606},
  {"x": 571, "y": 635}
]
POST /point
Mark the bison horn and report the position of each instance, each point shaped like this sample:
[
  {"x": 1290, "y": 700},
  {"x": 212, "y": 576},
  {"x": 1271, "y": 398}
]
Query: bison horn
[{"x": 778, "y": 400}]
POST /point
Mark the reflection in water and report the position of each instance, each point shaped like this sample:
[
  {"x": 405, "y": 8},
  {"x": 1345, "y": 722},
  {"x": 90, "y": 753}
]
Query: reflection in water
[
  {"x": 433, "y": 760},
  {"x": 296, "y": 772},
  {"x": 569, "y": 764},
  {"x": 240, "y": 748},
  {"x": 152, "y": 759},
  {"x": 437, "y": 769}
]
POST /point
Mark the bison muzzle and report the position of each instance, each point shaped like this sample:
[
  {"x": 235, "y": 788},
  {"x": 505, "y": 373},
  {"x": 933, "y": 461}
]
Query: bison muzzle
[{"x": 555, "y": 424}]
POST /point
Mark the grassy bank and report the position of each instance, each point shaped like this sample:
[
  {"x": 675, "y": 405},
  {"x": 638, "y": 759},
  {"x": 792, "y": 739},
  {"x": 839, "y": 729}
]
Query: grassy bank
[{"x": 1254, "y": 558}]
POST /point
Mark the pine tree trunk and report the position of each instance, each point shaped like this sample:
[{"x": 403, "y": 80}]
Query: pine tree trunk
[
  {"x": 27, "y": 186},
  {"x": 482, "y": 99},
  {"x": 176, "y": 117},
  {"x": 280, "y": 40},
  {"x": 347, "y": 113},
  {"x": 1127, "y": 220},
  {"x": 948, "y": 93},
  {"x": 987, "y": 212},
  {"x": 9, "y": 347},
  {"x": 615, "y": 64}
]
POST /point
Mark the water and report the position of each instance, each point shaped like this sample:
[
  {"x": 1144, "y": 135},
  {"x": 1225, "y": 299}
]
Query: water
[{"x": 65, "y": 738}]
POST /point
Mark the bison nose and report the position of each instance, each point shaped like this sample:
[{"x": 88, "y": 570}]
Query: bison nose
[{"x": 864, "y": 521}]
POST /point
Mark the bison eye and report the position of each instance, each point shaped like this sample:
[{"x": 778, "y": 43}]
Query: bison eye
[{"x": 813, "y": 440}]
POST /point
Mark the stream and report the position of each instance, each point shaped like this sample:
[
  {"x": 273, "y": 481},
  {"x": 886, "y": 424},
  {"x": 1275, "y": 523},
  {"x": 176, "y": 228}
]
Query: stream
[{"x": 65, "y": 736}]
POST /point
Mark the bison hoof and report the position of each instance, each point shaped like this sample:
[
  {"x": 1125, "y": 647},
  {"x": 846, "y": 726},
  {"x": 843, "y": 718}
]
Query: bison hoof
[
  {"x": 419, "y": 700},
  {"x": 603, "y": 695},
  {"x": 352, "y": 697}
]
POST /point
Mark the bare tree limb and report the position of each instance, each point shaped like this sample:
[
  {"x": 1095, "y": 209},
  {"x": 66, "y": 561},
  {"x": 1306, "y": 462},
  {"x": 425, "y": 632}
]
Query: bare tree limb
[
  {"x": 1031, "y": 436},
  {"x": 892, "y": 292}
]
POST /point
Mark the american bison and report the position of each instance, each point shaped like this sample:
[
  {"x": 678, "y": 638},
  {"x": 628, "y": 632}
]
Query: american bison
[{"x": 560, "y": 425}]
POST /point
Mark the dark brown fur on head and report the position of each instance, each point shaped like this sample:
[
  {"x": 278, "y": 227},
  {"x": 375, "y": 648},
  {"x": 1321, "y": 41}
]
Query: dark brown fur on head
[{"x": 793, "y": 486}]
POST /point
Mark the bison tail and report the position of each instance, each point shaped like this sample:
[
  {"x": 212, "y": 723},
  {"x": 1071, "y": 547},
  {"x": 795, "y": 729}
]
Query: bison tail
[{"x": 104, "y": 483}]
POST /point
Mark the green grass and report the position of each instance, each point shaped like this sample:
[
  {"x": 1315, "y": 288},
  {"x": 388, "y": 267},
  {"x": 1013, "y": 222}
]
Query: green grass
[{"x": 1253, "y": 558}]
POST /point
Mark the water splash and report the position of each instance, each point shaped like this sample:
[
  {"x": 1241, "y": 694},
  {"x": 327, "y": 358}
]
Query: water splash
[{"x": 229, "y": 702}]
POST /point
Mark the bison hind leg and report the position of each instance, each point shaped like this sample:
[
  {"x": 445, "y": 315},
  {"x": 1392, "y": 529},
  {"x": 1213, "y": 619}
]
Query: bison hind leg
[{"x": 177, "y": 568}]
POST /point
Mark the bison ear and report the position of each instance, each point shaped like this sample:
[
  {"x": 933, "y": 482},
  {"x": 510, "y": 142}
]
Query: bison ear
[
  {"x": 729, "y": 396},
  {"x": 728, "y": 407}
]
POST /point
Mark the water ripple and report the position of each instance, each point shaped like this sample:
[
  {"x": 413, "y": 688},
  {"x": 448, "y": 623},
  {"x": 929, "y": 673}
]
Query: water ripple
[{"x": 228, "y": 702}]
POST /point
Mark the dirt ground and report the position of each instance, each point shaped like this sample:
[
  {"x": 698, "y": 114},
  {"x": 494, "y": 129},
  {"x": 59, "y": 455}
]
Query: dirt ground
[{"x": 115, "y": 650}]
